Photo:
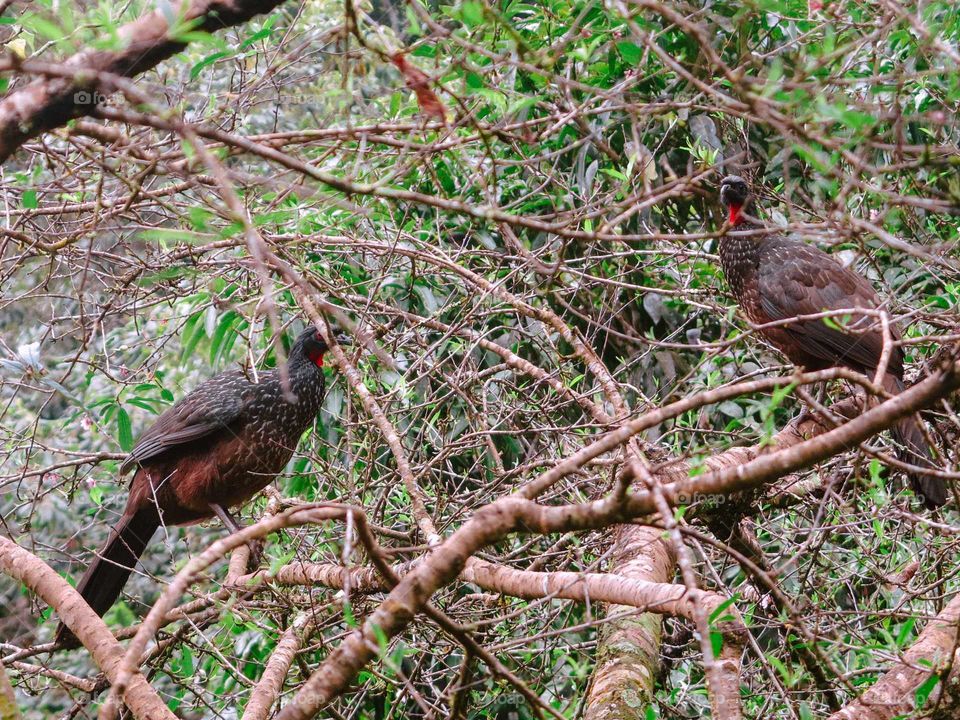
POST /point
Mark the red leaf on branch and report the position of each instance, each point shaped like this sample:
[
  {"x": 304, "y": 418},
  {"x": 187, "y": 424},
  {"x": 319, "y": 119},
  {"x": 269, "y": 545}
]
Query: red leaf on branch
[{"x": 418, "y": 81}]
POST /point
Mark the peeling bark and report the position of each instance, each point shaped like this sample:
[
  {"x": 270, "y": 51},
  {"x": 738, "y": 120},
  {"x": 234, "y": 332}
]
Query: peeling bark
[
  {"x": 8, "y": 701},
  {"x": 267, "y": 691},
  {"x": 628, "y": 655},
  {"x": 41, "y": 579},
  {"x": 895, "y": 694}
]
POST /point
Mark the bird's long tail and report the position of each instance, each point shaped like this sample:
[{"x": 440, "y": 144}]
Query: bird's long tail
[
  {"x": 101, "y": 585},
  {"x": 915, "y": 450}
]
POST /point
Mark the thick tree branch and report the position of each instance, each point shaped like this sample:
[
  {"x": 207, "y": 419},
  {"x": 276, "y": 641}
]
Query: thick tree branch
[
  {"x": 628, "y": 653},
  {"x": 8, "y": 700},
  {"x": 48, "y": 103},
  {"x": 498, "y": 519},
  {"x": 41, "y": 579},
  {"x": 267, "y": 691},
  {"x": 895, "y": 694}
]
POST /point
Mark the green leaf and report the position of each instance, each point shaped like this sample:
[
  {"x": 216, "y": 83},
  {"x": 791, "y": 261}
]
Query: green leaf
[
  {"x": 174, "y": 235},
  {"x": 906, "y": 630},
  {"x": 424, "y": 51},
  {"x": 144, "y": 403},
  {"x": 224, "y": 336},
  {"x": 923, "y": 692},
  {"x": 832, "y": 323},
  {"x": 42, "y": 26},
  {"x": 716, "y": 642},
  {"x": 472, "y": 13},
  {"x": 382, "y": 640},
  {"x": 206, "y": 62},
  {"x": 257, "y": 36},
  {"x": 281, "y": 560},
  {"x": 718, "y": 612},
  {"x": 348, "y": 615},
  {"x": 199, "y": 37},
  {"x": 192, "y": 332},
  {"x": 124, "y": 430},
  {"x": 185, "y": 664},
  {"x": 632, "y": 54}
]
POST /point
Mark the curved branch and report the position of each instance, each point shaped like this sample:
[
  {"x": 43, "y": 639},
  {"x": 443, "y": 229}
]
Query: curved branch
[
  {"x": 514, "y": 513},
  {"x": 127, "y": 670},
  {"x": 267, "y": 691},
  {"x": 48, "y": 103},
  {"x": 42, "y": 580},
  {"x": 895, "y": 694}
]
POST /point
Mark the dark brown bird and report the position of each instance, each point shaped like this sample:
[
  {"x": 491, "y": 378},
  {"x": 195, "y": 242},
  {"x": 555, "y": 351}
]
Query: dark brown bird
[
  {"x": 214, "y": 449},
  {"x": 774, "y": 277}
]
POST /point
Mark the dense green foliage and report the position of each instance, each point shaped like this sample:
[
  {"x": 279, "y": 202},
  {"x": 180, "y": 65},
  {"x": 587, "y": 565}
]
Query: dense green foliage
[{"x": 576, "y": 176}]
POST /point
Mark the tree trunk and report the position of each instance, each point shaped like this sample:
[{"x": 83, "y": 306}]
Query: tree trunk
[{"x": 623, "y": 679}]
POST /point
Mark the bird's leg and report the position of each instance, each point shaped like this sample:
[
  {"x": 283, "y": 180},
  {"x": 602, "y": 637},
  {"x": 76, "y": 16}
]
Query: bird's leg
[
  {"x": 256, "y": 546},
  {"x": 812, "y": 408},
  {"x": 226, "y": 518},
  {"x": 821, "y": 392},
  {"x": 820, "y": 395}
]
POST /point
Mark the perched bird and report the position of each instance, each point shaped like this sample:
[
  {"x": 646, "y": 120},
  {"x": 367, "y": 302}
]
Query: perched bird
[
  {"x": 775, "y": 277},
  {"x": 214, "y": 449}
]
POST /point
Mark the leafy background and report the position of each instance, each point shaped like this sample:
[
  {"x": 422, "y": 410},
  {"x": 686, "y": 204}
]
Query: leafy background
[{"x": 599, "y": 130}]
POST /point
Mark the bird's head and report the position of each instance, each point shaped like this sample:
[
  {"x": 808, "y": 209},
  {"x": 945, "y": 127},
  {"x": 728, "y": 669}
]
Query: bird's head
[
  {"x": 311, "y": 345},
  {"x": 735, "y": 194}
]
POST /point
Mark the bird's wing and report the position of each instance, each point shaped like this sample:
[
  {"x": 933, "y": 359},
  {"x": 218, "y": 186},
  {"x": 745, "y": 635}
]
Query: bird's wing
[
  {"x": 797, "y": 279},
  {"x": 212, "y": 407}
]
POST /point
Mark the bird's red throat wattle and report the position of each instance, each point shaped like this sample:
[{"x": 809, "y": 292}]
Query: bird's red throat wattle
[{"x": 735, "y": 211}]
